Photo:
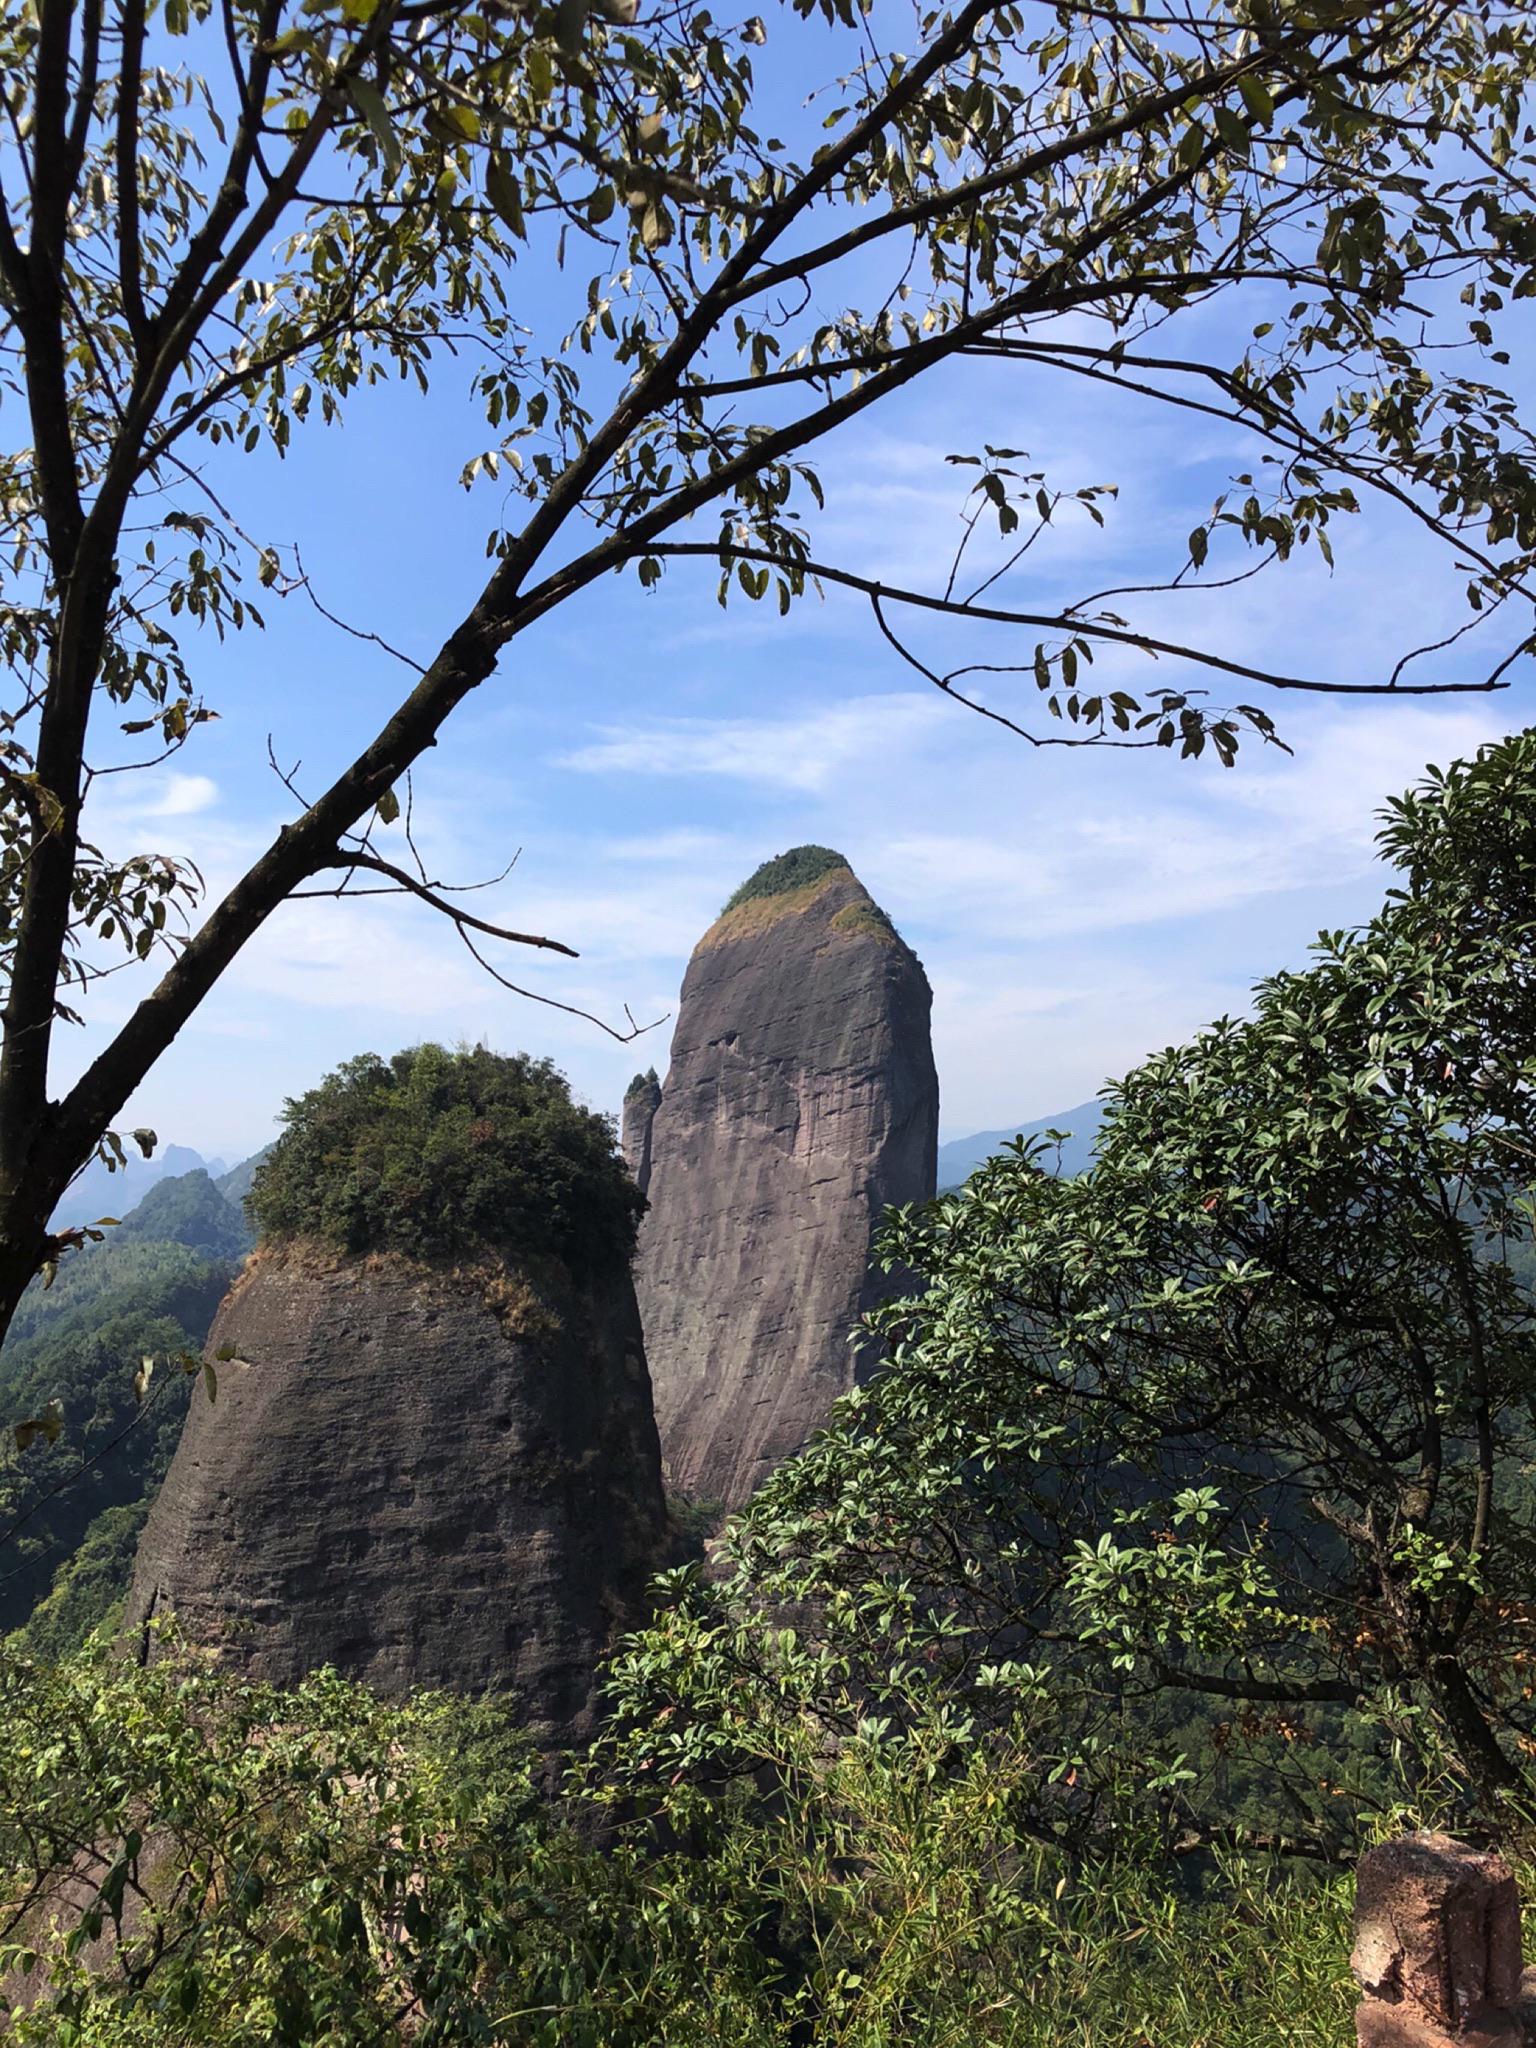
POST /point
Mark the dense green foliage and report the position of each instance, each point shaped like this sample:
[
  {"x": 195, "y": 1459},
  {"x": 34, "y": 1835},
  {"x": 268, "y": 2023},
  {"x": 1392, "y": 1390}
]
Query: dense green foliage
[
  {"x": 441, "y": 1155},
  {"x": 786, "y": 871},
  {"x": 191, "y": 1210},
  {"x": 310, "y": 1869},
  {"x": 1230, "y": 1431},
  {"x": 71, "y": 1509}
]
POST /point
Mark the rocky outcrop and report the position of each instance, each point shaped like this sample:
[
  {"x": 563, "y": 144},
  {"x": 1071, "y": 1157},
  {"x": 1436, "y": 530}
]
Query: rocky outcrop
[
  {"x": 801, "y": 1101},
  {"x": 642, "y": 1099},
  {"x": 421, "y": 1477},
  {"x": 1437, "y": 1950}
]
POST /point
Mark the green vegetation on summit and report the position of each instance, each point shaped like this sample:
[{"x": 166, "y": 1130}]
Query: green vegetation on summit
[
  {"x": 786, "y": 871},
  {"x": 443, "y": 1155}
]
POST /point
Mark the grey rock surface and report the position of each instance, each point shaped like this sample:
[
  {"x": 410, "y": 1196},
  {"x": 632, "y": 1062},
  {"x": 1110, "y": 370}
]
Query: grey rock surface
[
  {"x": 423, "y": 1478},
  {"x": 801, "y": 1101},
  {"x": 642, "y": 1099}
]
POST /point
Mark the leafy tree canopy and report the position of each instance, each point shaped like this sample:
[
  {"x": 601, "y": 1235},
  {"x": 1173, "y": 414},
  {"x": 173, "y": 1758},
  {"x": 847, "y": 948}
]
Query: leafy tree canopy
[
  {"x": 449, "y": 1155},
  {"x": 1239, "y": 1420}
]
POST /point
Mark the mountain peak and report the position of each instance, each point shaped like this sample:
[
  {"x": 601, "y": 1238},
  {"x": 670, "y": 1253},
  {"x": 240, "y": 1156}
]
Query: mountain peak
[{"x": 786, "y": 872}]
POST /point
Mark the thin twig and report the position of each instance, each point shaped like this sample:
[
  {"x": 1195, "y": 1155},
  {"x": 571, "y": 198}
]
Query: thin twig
[
  {"x": 410, "y": 886},
  {"x": 571, "y": 1010}
]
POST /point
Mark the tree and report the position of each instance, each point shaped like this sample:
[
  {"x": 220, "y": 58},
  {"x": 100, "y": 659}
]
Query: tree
[
  {"x": 441, "y": 1155},
  {"x": 218, "y": 220},
  {"x": 1239, "y": 1421}
]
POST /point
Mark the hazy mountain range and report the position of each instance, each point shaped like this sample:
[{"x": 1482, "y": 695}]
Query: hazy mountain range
[
  {"x": 959, "y": 1159},
  {"x": 103, "y": 1191}
]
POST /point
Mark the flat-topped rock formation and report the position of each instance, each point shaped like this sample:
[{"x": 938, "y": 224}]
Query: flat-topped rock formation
[
  {"x": 423, "y": 1478},
  {"x": 801, "y": 1102}
]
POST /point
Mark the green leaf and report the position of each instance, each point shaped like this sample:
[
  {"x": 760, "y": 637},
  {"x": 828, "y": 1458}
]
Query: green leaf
[
  {"x": 655, "y": 225},
  {"x": 48, "y": 1424},
  {"x": 388, "y": 807},
  {"x": 1256, "y": 97},
  {"x": 369, "y": 102},
  {"x": 504, "y": 192},
  {"x": 570, "y": 20}
]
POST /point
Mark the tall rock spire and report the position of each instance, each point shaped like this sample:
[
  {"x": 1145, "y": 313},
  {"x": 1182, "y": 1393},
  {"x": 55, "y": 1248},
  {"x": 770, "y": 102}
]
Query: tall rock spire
[
  {"x": 801, "y": 1102},
  {"x": 642, "y": 1099}
]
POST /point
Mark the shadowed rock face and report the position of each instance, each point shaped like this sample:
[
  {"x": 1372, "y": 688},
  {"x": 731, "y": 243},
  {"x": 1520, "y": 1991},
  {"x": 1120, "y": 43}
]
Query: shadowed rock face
[
  {"x": 403, "y": 1482},
  {"x": 642, "y": 1099},
  {"x": 801, "y": 1102}
]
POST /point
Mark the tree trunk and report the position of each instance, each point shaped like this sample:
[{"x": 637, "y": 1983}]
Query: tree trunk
[
  {"x": 1495, "y": 1780},
  {"x": 30, "y": 1190}
]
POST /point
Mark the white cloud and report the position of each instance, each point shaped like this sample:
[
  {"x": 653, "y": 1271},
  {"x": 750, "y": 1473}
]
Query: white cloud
[
  {"x": 806, "y": 753},
  {"x": 1012, "y": 1049},
  {"x": 182, "y": 796}
]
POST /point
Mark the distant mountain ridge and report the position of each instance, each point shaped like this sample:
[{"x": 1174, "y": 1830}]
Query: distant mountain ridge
[
  {"x": 149, "y": 1289},
  {"x": 959, "y": 1159},
  {"x": 235, "y": 1185},
  {"x": 103, "y": 1191}
]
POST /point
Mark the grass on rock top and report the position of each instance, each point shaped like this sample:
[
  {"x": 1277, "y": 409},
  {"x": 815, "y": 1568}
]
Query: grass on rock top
[{"x": 786, "y": 871}]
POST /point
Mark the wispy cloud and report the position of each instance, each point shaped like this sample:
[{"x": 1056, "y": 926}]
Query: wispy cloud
[
  {"x": 182, "y": 796},
  {"x": 807, "y": 753}
]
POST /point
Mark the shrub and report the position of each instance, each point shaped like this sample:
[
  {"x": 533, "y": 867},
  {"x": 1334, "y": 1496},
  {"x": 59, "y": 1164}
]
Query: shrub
[
  {"x": 786, "y": 871},
  {"x": 224, "y": 1864},
  {"x": 444, "y": 1155}
]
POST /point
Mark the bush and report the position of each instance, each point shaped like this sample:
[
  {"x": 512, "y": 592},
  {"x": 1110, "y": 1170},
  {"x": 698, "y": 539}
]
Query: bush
[
  {"x": 446, "y": 1155},
  {"x": 321, "y": 1869},
  {"x": 793, "y": 870}
]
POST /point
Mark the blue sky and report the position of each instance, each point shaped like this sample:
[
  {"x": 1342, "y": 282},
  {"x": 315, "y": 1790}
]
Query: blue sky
[{"x": 646, "y": 751}]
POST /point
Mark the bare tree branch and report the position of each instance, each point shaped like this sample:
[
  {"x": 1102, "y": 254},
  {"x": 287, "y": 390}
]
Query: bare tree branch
[{"x": 408, "y": 885}]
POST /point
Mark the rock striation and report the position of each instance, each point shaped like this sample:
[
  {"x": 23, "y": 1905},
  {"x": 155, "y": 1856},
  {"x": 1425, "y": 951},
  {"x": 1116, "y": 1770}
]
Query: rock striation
[
  {"x": 801, "y": 1101},
  {"x": 425, "y": 1478}
]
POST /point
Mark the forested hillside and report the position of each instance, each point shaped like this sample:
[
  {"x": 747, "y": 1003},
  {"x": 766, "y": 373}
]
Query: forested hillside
[{"x": 75, "y": 1363}]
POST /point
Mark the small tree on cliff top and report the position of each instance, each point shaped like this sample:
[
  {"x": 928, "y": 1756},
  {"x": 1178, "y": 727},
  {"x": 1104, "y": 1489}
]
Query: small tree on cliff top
[
  {"x": 220, "y": 217},
  {"x": 1238, "y": 1421},
  {"x": 447, "y": 1155}
]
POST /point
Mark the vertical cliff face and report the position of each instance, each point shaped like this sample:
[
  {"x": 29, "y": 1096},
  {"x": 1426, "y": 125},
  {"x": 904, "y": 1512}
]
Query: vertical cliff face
[
  {"x": 421, "y": 1478},
  {"x": 801, "y": 1102},
  {"x": 642, "y": 1099}
]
